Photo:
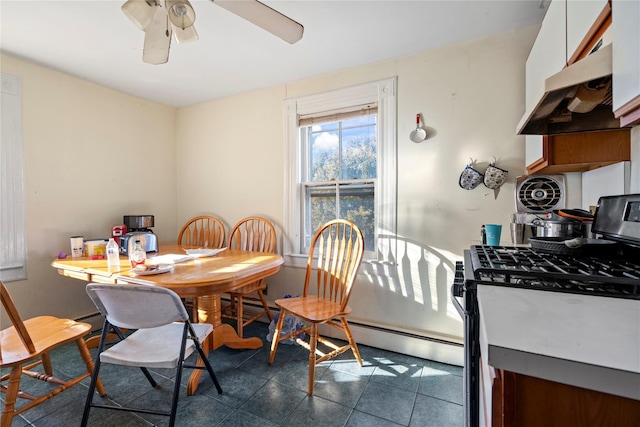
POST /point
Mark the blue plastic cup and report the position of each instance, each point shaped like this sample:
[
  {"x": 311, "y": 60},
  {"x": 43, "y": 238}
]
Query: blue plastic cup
[{"x": 493, "y": 234}]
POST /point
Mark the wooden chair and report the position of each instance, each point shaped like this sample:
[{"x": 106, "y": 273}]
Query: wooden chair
[
  {"x": 337, "y": 250},
  {"x": 26, "y": 345},
  {"x": 250, "y": 234},
  {"x": 203, "y": 231}
]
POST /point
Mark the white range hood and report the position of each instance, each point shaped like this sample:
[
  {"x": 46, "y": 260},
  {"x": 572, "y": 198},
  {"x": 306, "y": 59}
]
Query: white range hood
[{"x": 577, "y": 99}]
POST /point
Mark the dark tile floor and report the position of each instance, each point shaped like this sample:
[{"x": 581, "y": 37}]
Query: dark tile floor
[{"x": 391, "y": 389}]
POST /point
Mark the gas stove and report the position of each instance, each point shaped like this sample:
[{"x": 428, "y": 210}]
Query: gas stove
[{"x": 615, "y": 275}]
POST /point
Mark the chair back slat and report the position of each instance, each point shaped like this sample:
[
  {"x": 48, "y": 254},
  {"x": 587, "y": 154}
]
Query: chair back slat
[
  {"x": 339, "y": 248},
  {"x": 16, "y": 320},
  {"x": 204, "y": 231},
  {"x": 137, "y": 306},
  {"x": 253, "y": 233}
]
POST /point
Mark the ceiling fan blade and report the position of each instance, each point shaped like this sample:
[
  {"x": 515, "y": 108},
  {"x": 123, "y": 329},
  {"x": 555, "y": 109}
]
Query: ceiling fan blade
[
  {"x": 264, "y": 17},
  {"x": 157, "y": 39},
  {"x": 186, "y": 35},
  {"x": 140, "y": 12}
]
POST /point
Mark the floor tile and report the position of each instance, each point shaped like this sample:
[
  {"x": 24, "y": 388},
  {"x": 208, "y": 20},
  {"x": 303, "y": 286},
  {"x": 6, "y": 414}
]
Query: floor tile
[
  {"x": 387, "y": 402},
  {"x": 201, "y": 410},
  {"x": 296, "y": 374},
  {"x": 351, "y": 366},
  {"x": 405, "y": 377},
  {"x": 274, "y": 402},
  {"x": 455, "y": 370},
  {"x": 431, "y": 412},
  {"x": 360, "y": 419},
  {"x": 237, "y": 387},
  {"x": 442, "y": 385},
  {"x": 244, "y": 419},
  {"x": 316, "y": 411},
  {"x": 340, "y": 387}
]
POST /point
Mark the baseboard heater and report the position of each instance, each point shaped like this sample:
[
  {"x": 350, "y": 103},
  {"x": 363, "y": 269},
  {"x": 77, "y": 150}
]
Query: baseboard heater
[
  {"x": 406, "y": 334},
  {"x": 86, "y": 317}
]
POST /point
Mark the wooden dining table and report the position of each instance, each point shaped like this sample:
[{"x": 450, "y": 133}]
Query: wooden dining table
[{"x": 204, "y": 278}]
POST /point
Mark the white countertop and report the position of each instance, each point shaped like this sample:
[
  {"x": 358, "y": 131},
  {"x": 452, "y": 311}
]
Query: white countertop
[{"x": 586, "y": 341}]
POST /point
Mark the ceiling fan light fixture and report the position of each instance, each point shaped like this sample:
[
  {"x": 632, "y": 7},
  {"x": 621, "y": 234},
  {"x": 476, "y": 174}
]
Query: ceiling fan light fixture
[
  {"x": 181, "y": 13},
  {"x": 140, "y": 12},
  {"x": 185, "y": 35}
]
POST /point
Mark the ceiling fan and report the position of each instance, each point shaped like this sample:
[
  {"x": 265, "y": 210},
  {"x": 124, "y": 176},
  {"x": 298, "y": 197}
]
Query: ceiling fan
[{"x": 162, "y": 19}]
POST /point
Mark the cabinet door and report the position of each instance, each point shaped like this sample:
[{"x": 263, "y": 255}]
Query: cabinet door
[
  {"x": 548, "y": 56},
  {"x": 626, "y": 58},
  {"x": 581, "y": 16}
]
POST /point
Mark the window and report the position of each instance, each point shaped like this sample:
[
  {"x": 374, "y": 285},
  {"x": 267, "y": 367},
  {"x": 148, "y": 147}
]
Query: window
[
  {"x": 341, "y": 152},
  {"x": 13, "y": 250},
  {"x": 339, "y": 170}
]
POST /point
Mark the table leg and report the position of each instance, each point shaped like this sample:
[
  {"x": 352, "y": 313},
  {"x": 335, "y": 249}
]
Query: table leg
[{"x": 210, "y": 311}]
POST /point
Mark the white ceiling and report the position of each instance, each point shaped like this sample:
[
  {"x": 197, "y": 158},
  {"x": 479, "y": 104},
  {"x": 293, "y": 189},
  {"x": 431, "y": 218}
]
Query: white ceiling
[{"x": 94, "y": 40}]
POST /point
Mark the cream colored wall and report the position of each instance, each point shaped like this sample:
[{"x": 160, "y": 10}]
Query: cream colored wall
[
  {"x": 472, "y": 95},
  {"x": 91, "y": 155},
  {"x": 230, "y": 158}
]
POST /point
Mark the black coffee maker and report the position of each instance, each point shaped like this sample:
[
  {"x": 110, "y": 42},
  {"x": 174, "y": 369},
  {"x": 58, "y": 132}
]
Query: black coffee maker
[{"x": 138, "y": 228}]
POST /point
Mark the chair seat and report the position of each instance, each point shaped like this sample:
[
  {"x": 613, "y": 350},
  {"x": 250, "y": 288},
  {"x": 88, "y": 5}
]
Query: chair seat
[
  {"x": 46, "y": 333},
  {"x": 312, "y": 308},
  {"x": 154, "y": 348}
]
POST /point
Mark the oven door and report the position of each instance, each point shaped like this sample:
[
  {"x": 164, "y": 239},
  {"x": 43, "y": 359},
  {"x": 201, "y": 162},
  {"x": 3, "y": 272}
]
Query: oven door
[{"x": 468, "y": 310}]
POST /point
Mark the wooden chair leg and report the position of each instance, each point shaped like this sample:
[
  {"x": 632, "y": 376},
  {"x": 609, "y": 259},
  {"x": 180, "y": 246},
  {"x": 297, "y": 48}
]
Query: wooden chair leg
[
  {"x": 276, "y": 337},
  {"x": 352, "y": 342},
  {"x": 265, "y": 305},
  {"x": 11, "y": 396},
  {"x": 313, "y": 339},
  {"x": 46, "y": 363},
  {"x": 88, "y": 362}
]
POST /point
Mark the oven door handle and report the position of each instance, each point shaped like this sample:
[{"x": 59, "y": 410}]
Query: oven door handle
[{"x": 461, "y": 310}]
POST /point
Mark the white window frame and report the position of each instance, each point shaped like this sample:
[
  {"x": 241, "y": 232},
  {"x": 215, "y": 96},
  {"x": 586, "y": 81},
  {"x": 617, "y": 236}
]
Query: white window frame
[
  {"x": 381, "y": 92},
  {"x": 13, "y": 244}
]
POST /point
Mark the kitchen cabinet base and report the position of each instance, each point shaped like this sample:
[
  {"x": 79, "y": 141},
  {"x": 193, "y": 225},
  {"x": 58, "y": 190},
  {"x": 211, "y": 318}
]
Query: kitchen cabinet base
[{"x": 524, "y": 401}]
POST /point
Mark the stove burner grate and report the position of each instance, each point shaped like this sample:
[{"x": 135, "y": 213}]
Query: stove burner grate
[{"x": 527, "y": 268}]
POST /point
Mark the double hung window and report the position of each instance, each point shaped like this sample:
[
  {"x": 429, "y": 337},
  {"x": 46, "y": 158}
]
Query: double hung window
[
  {"x": 339, "y": 172},
  {"x": 341, "y": 153}
]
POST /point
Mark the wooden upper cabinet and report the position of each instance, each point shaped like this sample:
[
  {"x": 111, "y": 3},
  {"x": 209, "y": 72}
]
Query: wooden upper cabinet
[
  {"x": 578, "y": 26},
  {"x": 626, "y": 61},
  {"x": 581, "y": 152}
]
